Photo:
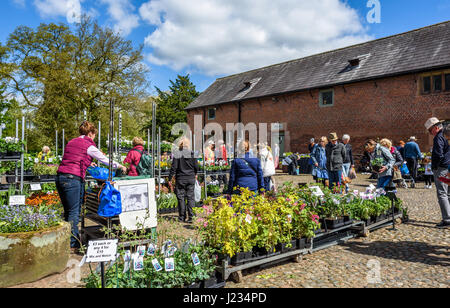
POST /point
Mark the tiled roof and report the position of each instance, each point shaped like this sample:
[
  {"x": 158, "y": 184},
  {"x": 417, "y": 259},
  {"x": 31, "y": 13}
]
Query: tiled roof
[{"x": 413, "y": 51}]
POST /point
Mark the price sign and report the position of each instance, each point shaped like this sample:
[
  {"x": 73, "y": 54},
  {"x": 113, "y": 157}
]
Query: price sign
[
  {"x": 317, "y": 191},
  {"x": 102, "y": 251},
  {"x": 35, "y": 187},
  {"x": 16, "y": 200}
]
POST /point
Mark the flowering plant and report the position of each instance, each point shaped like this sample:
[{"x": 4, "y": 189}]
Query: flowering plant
[
  {"x": 14, "y": 219},
  {"x": 10, "y": 144}
]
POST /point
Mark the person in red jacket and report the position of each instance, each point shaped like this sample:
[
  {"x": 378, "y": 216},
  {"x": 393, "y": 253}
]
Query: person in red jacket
[{"x": 134, "y": 156}]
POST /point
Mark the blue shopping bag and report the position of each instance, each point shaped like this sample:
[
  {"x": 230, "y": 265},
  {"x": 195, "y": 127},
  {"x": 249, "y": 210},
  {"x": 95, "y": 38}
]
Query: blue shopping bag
[
  {"x": 99, "y": 173},
  {"x": 110, "y": 201},
  {"x": 404, "y": 169}
]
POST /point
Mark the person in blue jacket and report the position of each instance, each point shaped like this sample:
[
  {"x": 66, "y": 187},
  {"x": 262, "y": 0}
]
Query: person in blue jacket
[
  {"x": 319, "y": 159},
  {"x": 412, "y": 156},
  {"x": 246, "y": 172}
]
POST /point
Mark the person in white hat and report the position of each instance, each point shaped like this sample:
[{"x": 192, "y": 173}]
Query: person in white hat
[
  {"x": 412, "y": 156},
  {"x": 440, "y": 160}
]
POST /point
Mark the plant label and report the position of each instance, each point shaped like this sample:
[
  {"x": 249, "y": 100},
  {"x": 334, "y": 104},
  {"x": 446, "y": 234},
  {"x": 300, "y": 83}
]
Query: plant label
[
  {"x": 102, "y": 251},
  {"x": 195, "y": 259},
  {"x": 151, "y": 250},
  {"x": 169, "y": 264},
  {"x": 17, "y": 200},
  {"x": 141, "y": 250},
  {"x": 127, "y": 256},
  {"x": 248, "y": 219},
  {"x": 35, "y": 187},
  {"x": 139, "y": 263},
  {"x": 156, "y": 265},
  {"x": 317, "y": 191},
  {"x": 126, "y": 267}
]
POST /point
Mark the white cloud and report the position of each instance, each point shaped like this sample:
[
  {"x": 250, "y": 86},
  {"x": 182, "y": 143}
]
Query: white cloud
[
  {"x": 20, "y": 3},
  {"x": 223, "y": 37},
  {"x": 121, "y": 12},
  {"x": 71, "y": 9}
]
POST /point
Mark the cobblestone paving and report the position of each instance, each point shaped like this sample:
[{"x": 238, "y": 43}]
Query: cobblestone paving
[{"x": 416, "y": 255}]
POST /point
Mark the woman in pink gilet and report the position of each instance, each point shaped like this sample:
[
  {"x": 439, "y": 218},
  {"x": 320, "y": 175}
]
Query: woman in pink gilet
[{"x": 78, "y": 156}]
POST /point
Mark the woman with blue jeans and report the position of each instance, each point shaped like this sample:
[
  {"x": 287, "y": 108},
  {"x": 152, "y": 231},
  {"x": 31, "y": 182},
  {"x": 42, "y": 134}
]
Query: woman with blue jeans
[
  {"x": 382, "y": 151},
  {"x": 78, "y": 156},
  {"x": 319, "y": 159}
]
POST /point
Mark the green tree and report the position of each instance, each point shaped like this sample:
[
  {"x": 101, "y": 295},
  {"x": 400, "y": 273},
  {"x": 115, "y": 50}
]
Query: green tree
[
  {"x": 171, "y": 105},
  {"x": 60, "y": 72}
]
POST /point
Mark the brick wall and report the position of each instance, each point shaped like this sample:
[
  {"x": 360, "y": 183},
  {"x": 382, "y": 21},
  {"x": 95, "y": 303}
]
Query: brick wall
[{"x": 385, "y": 108}]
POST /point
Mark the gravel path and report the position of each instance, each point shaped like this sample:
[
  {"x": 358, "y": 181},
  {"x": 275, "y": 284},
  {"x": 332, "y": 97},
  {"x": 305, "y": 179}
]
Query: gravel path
[{"x": 416, "y": 255}]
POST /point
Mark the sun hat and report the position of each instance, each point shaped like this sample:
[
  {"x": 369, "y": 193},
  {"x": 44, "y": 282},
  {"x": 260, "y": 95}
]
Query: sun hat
[
  {"x": 432, "y": 122},
  {"x": 333, "y": 137},
  {"x": 412, "y": 138}
]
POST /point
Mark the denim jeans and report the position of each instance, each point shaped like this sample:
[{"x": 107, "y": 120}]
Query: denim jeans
[
  {"x": 71, "y": 192},
  {"x": 267, "y": 183},
  {"x": 384, "y": 181},
  {"x": 346, "y": 171},
  {"x": 335, "y": 178}
]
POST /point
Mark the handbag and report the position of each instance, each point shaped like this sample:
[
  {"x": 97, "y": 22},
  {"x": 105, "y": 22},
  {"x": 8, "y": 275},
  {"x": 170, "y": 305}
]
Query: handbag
[
  {"x": 110, "y": 201},
  {"x": 397, "y": 174},
  {"x": 352, "y": 174}
]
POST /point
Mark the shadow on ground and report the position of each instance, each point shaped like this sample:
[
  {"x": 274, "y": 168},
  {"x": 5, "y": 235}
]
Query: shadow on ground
[{"x": 417, "y": 252}]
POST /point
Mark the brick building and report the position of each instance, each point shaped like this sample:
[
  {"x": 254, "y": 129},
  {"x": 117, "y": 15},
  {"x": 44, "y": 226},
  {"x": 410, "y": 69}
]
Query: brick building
[{"x": 383, "y": 88}]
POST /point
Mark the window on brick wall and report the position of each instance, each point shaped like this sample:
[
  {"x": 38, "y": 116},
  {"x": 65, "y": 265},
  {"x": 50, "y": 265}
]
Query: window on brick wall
[
  {"x": 326, "y": 98},
  {"x": 211, "y": 113},
  {"x": 437, "y": 83},
  {"x": 426, "y": 84},
  {"x": 447, "y": 82}
]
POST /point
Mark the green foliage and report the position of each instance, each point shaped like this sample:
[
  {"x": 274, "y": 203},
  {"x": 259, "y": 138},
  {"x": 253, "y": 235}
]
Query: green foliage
[
  {"x": 167, "y": 201},
  {"x": 171, "y": 105},
  {"x": 60, "y": 71},
  {"x": 45, "y": 169}
]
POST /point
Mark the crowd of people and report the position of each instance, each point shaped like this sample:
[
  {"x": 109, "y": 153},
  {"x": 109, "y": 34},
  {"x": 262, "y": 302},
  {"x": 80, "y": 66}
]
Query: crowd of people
[{"x": 332, "y": 160}]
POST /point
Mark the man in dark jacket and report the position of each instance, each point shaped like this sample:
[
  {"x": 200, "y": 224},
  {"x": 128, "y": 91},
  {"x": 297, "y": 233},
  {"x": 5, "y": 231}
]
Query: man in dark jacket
[
  {"x": 185, "y": 169},
  {"x": 440, "y": 159},
  {"x": 336, "y": 155}
]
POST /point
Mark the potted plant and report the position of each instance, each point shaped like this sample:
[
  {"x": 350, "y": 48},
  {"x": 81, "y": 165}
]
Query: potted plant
[{"x": 377, "y": 164}]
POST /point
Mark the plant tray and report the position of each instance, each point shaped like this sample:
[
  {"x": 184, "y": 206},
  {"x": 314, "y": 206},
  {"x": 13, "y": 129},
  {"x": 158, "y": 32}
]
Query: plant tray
[
  {"x": 294, "y": 243},
  {"x": 241, "y": 258},
  {"x": 334, "y": 223},
  {"x": 11, "y": 155},
  {"x": 347, "y": 221},
  {"x": 209, "y": 283}
]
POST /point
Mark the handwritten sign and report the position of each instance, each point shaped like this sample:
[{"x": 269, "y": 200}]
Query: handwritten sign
[
  {"x": 35, "y": 187},
  {"x": 16, "y": 200},
  {"x": 102, "y": 251}
]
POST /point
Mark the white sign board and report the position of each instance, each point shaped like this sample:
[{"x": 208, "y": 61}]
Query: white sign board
[
  {"x": 102, "y": 251},
  {"x": 317, "y": 191},
  {"x": 138, "y": 204},
  {"x": 35, "y": 187},
  {"x": 16, "y": 200}
]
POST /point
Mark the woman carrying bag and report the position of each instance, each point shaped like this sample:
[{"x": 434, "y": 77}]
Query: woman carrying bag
[{"x": 78, "y": 156}]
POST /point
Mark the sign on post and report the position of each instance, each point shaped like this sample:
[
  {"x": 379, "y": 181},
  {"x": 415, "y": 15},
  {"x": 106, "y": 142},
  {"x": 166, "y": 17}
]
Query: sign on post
[{"x": 101, "y": 251}]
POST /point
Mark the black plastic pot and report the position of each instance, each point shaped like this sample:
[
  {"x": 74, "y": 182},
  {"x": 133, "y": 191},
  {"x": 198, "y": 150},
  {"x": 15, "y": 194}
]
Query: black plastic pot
[
  {"x": 301, "y": 243},
  {"x": 334, "y": 223},
  {"x": 12, "y": 155},
  {"x": 209, "y": 283},
  {"x": 347, "y": 220},
  {"x": 376, "y": 168},
  {"x": 241, "y": 258},
  {"x": 293, "y": 244},
  {"x": 195, "y": 285},
  {"x": 4, "y": 187}
]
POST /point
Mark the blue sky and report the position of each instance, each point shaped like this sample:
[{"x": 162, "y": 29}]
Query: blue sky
[{"x": 215, "y": 38}]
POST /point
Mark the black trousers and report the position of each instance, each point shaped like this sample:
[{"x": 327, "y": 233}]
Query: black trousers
[
  {"x": 428, "y": 179},
  {"x": 412, "y": 167},
  {"x": 186, "y": 199}
]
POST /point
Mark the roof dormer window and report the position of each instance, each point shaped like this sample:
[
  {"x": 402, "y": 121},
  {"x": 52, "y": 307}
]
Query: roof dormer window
[{"x": 354, "y": 62}]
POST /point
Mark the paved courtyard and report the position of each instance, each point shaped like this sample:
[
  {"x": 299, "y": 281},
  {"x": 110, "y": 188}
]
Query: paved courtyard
[{"x": 416, "y": 255}]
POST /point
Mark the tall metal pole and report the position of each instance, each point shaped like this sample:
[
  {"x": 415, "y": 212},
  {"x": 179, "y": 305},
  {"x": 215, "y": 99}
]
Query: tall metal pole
[
  {"x": 117, "y": 148},
  {"x": 204, "y": 162},
  {"x": 111, "y": 133},
  {"x": 153, "y": 138},
  {"x": 63, "y": 142},
  {"x": 159, "y": 160},
  {"x": 148, "y": 140},
  {"x": 56, "y": 139},
  {"x": 99, "y": 135},
  {"x": 120, "y": 134},
  {"x": 22, "y": 155},
  {"x": 17, "y": 128}
]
